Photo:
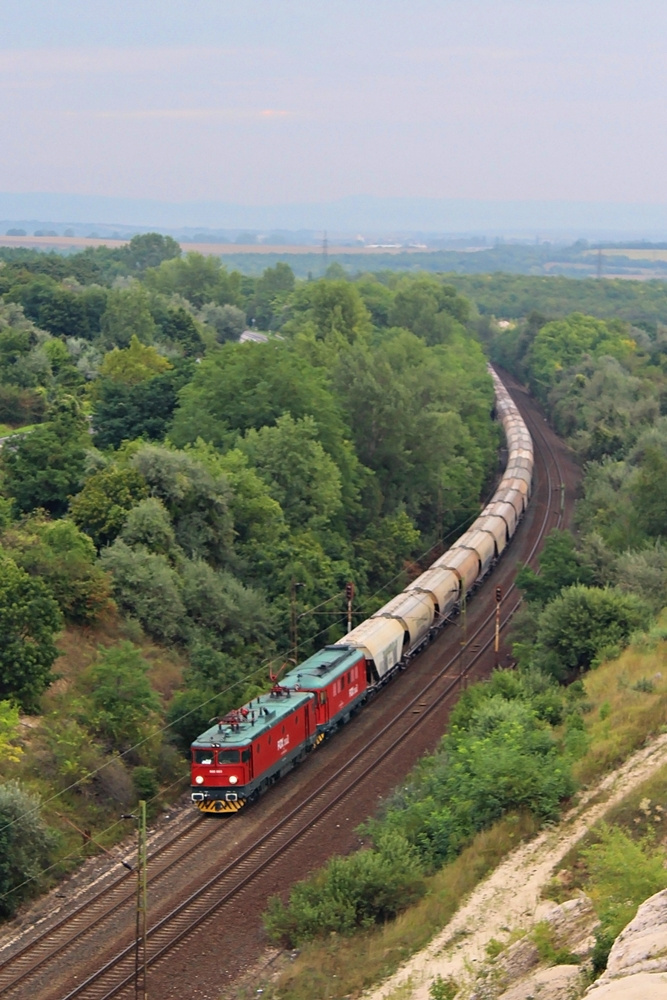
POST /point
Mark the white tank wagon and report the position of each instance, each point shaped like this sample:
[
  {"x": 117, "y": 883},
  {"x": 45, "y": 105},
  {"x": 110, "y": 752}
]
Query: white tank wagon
[{"x": 444, "y": 587}]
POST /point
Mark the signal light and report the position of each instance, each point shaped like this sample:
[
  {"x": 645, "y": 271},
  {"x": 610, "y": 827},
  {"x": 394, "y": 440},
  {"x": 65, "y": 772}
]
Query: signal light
[
  {"x": 349, "y": 591},
  {"x": 499, "y": 595}
]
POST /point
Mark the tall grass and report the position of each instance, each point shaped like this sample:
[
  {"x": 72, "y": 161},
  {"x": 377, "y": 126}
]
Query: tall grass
[{"x": 628, "y": 704}]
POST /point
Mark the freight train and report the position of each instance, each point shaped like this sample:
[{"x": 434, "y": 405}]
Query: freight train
[{"x": 249, "y": 749}]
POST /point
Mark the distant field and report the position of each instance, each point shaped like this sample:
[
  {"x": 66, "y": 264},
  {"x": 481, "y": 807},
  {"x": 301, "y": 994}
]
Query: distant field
[
  {"x": 631, "y": 254},
  {"x": 81, "y": 242}
]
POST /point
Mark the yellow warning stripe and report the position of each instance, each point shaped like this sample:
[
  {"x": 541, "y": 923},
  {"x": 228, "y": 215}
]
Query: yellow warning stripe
[{"x": 220, "y": 806}]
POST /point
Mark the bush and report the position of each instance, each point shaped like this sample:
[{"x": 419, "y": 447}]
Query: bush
[
  {"x": 26, "y": 845},
  {"x": 368, "y": 887}
]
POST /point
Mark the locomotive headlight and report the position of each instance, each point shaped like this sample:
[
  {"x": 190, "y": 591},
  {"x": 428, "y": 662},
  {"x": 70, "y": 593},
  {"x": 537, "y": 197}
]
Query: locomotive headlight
[
  {"x": 200, "y": 779},
  {"x": 233, "y": 779}
]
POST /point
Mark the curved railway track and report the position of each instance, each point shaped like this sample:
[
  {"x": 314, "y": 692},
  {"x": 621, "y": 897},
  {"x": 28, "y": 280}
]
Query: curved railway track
[{"x": 340, "y": 776}]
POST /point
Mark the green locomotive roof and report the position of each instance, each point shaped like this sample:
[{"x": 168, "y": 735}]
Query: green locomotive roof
[
  {"x": 243, "y": 725},
  {"x": 319, "y": 670}
]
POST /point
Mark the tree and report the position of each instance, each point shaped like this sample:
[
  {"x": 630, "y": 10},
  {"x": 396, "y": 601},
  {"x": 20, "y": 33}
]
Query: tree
[
  {"x": 26, "y": 844},
  {"x": 127, "y": 313},
  {"x": 228, "y": 322},
  {"x": 560, "y": 566},
  {"x": 43, "y": 468},
  {"x": 197, "y": 278},
  {"x": 197, "y": 501},
  {"x": 29, "y": 620},
  {"x": 149, "y": 250},
  {"x": 102, "y": 506},
  {"x": 63, "y": 557},
  {"x": 432, "y": 311},
  {"x": 147, "y": 588},
  {"x": 122, "y": 700},
  {"x": 181, "y": 329},
  {"x": 133, "y": 364},
  {"x": 126, "y": 412},
  {"x": 300, "y": 475},
  {"x": 581, "y": 623}
]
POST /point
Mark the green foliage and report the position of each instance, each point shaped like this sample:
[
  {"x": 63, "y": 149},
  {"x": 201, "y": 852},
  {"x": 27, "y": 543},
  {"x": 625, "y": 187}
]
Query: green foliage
[
  {"x": 498, "y": 756},
  {"x": 622, "y": 873},
  {"x": 432, "y": 311},
  {"x": 227, "y": 322},
  {"x": 146, "y": 587},
  {"x": 107, "y": 497},
  {"x": 581, "y": 623},
  {"x": 127, "y": 314},
  {"x": 197, "y": 278},
  {"x": 560, "y": 566},
  {"x": 300, "y": 475},
  {"x": 561, "y": 343},
  {"x": 42, "y": 469},
  {"x": 125, "y": 412},
  {"x": 9, "y": 725},
  {"x": 26, "y": 845},
  {"x": 123, "y": 703},
  {"x": 368, "y": 887},
  {"x": 29, "y": 619},
  {"x": 443, "y": 989},
  {"x": 60, "y": 555},
  {"x": 133, "y": 364},
  {"x": 550, "y": 953},
  {"x": 149, "y": 250},
  {"x": 197, "y": 501}
]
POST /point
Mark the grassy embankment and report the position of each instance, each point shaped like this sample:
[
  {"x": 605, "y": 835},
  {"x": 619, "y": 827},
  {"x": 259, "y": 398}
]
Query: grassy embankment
[
  {"x": 85, "y": 786},
  {"x": 627, "y": 707}
]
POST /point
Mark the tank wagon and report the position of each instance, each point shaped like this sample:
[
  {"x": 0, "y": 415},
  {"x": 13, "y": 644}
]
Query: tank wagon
[{"x": 241, "y": 755}]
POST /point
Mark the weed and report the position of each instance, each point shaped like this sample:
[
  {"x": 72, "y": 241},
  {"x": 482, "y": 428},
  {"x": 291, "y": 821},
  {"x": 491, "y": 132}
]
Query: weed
[{"x": 443, "y": 989}]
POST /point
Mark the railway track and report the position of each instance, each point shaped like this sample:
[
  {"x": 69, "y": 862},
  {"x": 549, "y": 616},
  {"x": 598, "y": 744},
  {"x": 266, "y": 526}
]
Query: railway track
[{"x": 47, "y": 967}]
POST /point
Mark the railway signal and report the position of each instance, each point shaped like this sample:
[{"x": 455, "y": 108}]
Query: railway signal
[
  {"x": 499, "y": 597},
  {"x": 349, "y": 596}
]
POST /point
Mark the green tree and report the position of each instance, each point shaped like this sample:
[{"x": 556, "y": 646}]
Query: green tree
[
  {"x": 133, "y": 364},
  {"x": 300, "y": 475},
  {"x": 29, "y": 620},
  {"x": 26, "y": 845},
  {"x": 124, "y": 705},
  {"x": 149, "y": 250},
  {"x": 43, "y": 468},
  {"x": 63, "y": 557},
  {"x": 197, "y": 278},
  {"x": 147, "y": 588},
  {"x": 127, "y": 314},
  {"x": 107, "y": 497},
  {"x": 197, "y": 501},
  {"x": 560, "y": 566},
  {"x": 432, "y": 311},
  {"x": 125, "y": 412},
  {"x": 581, "y": 623},
  {"x": 227, "y": 322}
]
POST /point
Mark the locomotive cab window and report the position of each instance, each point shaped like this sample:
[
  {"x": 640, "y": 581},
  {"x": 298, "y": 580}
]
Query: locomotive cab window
[
  {"x": 203, "y": 756},
  {"x": 245, "y": 755},
  {"x": 229, "y": 756}
]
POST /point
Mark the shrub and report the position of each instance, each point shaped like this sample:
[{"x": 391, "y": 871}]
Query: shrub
[{"x": 26, "y": 844}]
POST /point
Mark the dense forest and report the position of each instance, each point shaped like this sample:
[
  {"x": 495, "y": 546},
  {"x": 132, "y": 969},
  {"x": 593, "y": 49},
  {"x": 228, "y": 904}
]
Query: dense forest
[{"x": 181, "y": 508}]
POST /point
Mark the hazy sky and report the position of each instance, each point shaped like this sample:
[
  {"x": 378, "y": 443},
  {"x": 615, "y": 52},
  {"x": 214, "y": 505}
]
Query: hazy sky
[{"x": 269, "y": 101}]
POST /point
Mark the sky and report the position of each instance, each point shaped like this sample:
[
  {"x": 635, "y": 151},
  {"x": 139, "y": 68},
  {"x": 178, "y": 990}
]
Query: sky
[{"x": 269, "y": 102}]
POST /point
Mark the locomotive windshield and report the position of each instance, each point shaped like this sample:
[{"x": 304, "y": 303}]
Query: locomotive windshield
[
  {"x": 229, "y": 756},
  {"x": 203, "y": 756}
]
